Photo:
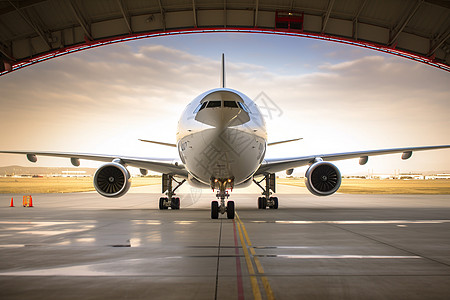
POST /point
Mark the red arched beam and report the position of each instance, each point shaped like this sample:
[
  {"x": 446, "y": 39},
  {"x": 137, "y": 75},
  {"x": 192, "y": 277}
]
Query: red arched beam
[{"x": 97, "y": 43}]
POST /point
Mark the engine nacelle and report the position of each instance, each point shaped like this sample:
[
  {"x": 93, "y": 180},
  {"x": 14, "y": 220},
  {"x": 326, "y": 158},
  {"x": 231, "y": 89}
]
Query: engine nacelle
[
  {"x": 323, "y": 178},
  {"x": 112, "y": 180}
]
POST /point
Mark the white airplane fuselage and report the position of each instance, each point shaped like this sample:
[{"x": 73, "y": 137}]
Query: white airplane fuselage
[{"x": 221, "y": 138}]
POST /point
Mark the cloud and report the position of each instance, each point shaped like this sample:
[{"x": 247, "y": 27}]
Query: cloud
[
  {"x": 365, "y": 103},
  {"x": 104, "y": 80},
  {"x": 98, "y": 95},
  {"x": 372, "y": 84},
  {"x": 104, "y": 99}
]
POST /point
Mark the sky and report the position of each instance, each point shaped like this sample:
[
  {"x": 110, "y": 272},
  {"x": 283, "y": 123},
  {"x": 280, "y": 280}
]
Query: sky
[{"x": 336, "y": 97}]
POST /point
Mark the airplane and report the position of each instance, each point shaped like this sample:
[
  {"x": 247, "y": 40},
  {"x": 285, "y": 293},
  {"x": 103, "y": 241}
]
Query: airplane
[{"x": 221, "y": 140}]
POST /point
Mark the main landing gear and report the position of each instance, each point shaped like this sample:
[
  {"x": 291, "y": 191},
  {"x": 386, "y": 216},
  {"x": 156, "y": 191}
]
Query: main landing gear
[
  {"x": 266, "y": 200},
  {"x": 222, "y": 193},
  {"x": 169, "y": 201}
]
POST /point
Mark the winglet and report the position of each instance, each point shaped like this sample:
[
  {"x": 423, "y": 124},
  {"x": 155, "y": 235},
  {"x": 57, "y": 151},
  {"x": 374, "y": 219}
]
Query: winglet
[{"x": 222, "y": 77}]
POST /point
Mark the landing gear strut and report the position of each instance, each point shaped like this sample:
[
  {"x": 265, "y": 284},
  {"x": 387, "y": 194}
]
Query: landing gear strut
[
  {"x": 221, "y": 194},
  {"x": 266, "y": 200},
  {"x": 169, "y": 201}
]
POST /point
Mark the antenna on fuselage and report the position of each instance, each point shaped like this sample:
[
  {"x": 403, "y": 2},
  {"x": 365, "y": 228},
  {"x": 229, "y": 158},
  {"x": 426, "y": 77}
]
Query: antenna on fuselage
[{"x": 222, "y": 79}]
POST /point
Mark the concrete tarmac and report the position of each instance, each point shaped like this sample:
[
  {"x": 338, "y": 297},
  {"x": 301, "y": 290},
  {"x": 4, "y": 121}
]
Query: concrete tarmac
[{"x": 85, "y": 246}]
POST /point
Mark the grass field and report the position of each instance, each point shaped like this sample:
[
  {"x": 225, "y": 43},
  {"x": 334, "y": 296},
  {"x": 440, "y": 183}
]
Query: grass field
[
  {"x": 374, "y": 186},
  {"x": 10, "y": 185}
]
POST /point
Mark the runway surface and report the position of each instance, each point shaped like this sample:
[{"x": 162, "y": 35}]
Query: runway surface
[{"x": 84, "y": 246}]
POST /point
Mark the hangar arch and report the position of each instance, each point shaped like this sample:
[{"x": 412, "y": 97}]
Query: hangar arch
[{"x": 32, "y": 31}]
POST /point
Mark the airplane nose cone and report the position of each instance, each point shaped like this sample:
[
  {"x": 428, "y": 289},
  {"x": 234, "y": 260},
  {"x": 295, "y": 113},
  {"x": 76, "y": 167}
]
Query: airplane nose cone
[{"x": 222, "y": 109}]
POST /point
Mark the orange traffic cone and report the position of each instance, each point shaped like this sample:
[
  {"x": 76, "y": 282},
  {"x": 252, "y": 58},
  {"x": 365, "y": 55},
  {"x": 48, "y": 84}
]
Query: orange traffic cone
[
  {"x": 31, "y": 202},
  {"x": 12, "y": 202}
]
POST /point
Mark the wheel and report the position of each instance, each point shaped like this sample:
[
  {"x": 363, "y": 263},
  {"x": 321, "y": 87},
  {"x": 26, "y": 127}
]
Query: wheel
[
  {"x": 230, "y": 210},
  {"x": 161, "y": 203},
  {"x": 165, "y": 200},
  {"x": 270, "y": 203},
  {"x": 214, "y": 210},
  {"x": 173, "y": 203},
  {"x": 259, "y": 202},
  {"x": 275, "y": 202},
  {"x": 264, "y": 203}
]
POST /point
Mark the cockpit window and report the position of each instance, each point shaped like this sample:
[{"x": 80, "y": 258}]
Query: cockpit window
[
  {"x": 214, "y": 104},
  {"x": 229, "y": 104},
  {"x": 218, "y": 103},
  {"x": 200, "y": 107},
  {"x": 243, "y": 107}
]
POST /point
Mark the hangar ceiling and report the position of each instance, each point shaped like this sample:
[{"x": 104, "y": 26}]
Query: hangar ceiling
[{"x": 36, "y": 30}]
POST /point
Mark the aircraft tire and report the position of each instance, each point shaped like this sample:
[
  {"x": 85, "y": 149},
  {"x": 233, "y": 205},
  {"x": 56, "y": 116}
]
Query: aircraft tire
[
  {"x": 230, "y": 210},
  {"x": 175, "y": 203},
  {"x": 264, "y": 203},
  {"x": 214, "y": 210}
]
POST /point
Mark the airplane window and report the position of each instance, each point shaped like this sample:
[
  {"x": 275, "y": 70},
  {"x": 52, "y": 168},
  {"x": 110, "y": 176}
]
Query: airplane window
[
  {"x": 200, "y": 107},
  {"x": 243, "y": 107},
  {"x": 229, "y": 104},
  {"x": 214, "y": 104},
  {"x": 196, "y": 110}
]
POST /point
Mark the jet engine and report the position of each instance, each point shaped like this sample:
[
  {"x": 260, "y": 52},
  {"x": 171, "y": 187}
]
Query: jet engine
[
  {"x": 323, "y": 178},
  {"x": 112, "y": 180}
]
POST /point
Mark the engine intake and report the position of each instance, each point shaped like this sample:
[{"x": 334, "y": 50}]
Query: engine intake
[
  {"x": 112, "y": 180},
  {"x": 323, "y": 178}
]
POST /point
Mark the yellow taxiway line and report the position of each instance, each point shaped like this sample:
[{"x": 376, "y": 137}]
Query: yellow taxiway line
[{"x": 249, "y": 259}]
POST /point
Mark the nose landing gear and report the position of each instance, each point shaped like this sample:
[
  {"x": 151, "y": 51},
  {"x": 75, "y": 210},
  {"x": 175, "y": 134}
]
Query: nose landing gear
[{"x": 221, "y": 195}]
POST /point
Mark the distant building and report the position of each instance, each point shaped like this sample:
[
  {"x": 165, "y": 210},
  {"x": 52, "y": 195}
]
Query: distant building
[
  {"x": 411, "y": 176},
  {"x": 75, "y": 174},
  {"x": 438, "y": 176}
]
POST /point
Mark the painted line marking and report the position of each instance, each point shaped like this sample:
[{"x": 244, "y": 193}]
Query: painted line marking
[
  {"x": 251, "y": 270},
  {"x": 240, "y": 285},
  {"x": 247, "y": 243},
  {"x": 347, "y": 257},
  {"x": 351, "y": 222}
]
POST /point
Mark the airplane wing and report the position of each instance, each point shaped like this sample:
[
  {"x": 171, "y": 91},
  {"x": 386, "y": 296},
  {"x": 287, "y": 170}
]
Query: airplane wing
[
  {"x": 278, "y": 165},
  {"x": 166, "y": 166}
]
